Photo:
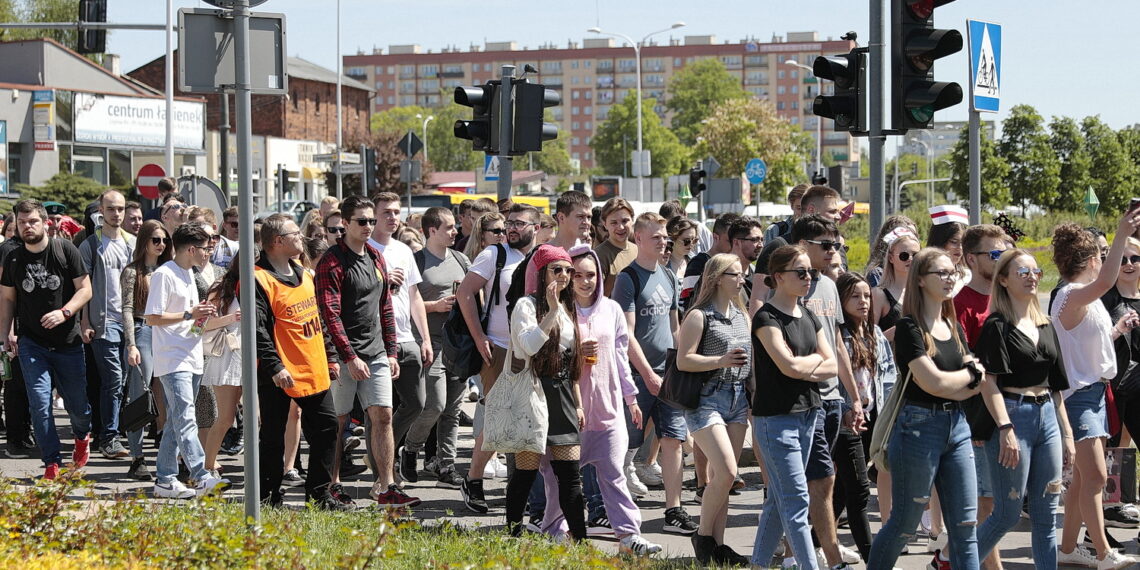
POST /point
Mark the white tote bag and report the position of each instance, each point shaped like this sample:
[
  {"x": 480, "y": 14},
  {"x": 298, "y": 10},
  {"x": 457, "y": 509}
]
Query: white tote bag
[{"x": 516, "y": 417}]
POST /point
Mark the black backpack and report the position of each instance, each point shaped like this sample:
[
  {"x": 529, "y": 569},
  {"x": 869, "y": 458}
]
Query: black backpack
[{"x": 460, "y": 355}]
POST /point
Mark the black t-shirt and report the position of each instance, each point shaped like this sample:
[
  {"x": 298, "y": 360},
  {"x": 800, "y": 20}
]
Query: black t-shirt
[
  {"x": 1017, "y": 362},
  {"x": 7, "y": 247},
  {"x": 948, "y": 356},
  {"x": 44, "y": 282},
  {"x": 777, "y": 394},
  {"x": 360, "y": 304},
  {"x": 1127, "y": 347}
]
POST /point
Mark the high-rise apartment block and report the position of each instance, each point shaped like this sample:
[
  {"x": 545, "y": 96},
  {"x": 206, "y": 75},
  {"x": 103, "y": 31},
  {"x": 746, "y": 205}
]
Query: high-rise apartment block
[{"x": 600, "y": 72}]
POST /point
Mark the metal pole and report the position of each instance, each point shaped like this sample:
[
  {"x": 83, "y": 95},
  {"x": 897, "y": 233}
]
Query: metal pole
[
  {"x": 895, "y": 205},
  {"x": 429, "y": 118},
  {"x": 339, "y": 122},
  {"x": 244, "y": 105},
  {"x": 639, "y": 164},
  {"x": 170, "y": 88},
  {"x": 506, "y": 105},
  {"x": 876, "y": 71},
  {"x": 224, "y": 130},
  {"x": 975, "y": 168},
  {"x": 408, "y": 151}
]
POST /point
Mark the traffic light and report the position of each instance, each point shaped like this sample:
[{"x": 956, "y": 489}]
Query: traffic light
[
  {"x": 531, "y": 99},
  {"x": 697, "y": 176},
  {"x": 845, "y": 106},
  {"x": 92, "y": 41},
  {"x": 483, "y": 128},
  {"x": 915, "y": 44},
  {"x": 368, "y": 175}
]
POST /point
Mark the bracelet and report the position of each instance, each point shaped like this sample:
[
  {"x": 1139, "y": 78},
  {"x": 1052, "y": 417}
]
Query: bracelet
[{"x": 1005, "y": 426}]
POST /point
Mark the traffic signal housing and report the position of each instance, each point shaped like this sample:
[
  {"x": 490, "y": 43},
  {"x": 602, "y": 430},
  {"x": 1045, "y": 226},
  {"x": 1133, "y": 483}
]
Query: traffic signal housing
[
  {"x": 529, "y": 129},
  {"x": 915, "y": 45},
  {"x": 92, "y": 41},
  {"x": 697, "y": 176},
  {"x": 846, "y": 105},
  {"x": 483, "y": 128},
  {"x": 368, "y": 160}
]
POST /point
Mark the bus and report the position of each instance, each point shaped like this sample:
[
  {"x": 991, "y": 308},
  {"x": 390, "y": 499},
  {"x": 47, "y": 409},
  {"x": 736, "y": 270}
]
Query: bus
[{"x": 452, "y": 200}]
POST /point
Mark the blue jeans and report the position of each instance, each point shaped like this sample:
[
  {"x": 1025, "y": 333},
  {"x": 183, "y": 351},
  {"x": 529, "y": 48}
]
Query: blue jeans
[
  {"x": 785, "y": 442},
  {"x": 180, "y": 435},
  {"x": 67, "y": 367},
  {"x": 108, "y": 353},
  {"x": 138, "y": 381},
  {"x": 930, "y": 446},
  {"x": 595, "y": 506},
  {"x": 1037, "y": 475}
]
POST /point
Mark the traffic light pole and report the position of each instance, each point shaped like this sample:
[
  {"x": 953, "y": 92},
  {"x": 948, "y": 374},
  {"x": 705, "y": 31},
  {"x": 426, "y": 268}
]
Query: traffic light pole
[
  {"x": 975, "y": 167},
  {"x": 876, "y": 71},
  {"x": 506, "y": 108}
]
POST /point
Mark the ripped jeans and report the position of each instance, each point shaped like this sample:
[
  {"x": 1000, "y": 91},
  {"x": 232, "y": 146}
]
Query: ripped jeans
[
  {"x": 930, "y": 446},
  {"x": 1037, "y": 475}
]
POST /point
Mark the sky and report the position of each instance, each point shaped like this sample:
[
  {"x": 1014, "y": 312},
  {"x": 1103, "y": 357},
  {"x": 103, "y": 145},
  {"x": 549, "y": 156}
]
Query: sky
[{"x": 1058, "y": 56}]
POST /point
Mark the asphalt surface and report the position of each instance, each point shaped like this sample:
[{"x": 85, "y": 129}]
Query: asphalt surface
[{"x": 110, "y": 479}]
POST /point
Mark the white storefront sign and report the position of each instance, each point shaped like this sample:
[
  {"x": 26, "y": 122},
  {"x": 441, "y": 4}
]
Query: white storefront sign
[{"x": 129, "y": 121}]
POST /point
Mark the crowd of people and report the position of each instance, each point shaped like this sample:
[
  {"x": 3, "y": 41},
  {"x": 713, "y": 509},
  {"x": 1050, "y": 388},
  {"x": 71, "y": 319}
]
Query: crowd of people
[{"x": 935, "y": 375}]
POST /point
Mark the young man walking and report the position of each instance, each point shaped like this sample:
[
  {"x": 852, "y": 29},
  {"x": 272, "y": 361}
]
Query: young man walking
[
  {"x": 617, "y": 251},
  {"x": 292, "y": 366},
  {"x": 44, "y": 286},
  {"x": 105, "y": 253},
  {"x": 572, "y": 213},
  {"x": 177, "y": 316},
  {"x": 355, "y": 304}
]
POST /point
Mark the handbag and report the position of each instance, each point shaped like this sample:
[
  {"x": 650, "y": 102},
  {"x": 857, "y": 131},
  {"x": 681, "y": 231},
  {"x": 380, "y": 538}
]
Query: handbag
[
  {"x": 460, "y": 355},
  {"x": 885, "y": 425},
  {"x": 681, "y": 389},
  {"x": 138, "y": 414},
  {"x": 516, "y": 417}
]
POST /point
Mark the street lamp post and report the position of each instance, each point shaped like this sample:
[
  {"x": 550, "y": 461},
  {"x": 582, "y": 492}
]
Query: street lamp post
[
  {"x": 637, "y": 55},
  {"x": 818, "y": 120},
  {"x": 424, "y": 131}
]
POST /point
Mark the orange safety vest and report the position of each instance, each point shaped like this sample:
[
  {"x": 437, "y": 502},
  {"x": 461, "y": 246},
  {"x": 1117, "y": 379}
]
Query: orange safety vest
[{"x": 297, "y": 332}]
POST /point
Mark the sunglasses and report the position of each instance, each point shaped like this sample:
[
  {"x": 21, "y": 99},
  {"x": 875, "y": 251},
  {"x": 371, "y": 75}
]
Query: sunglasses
[
  {"x": 1134, "y": 260},
  {"x": 160, "y": 241},
  {"x": 945, "y": 275},
  {"x": 993, "y": 253},
  {"x": 561, "y": 269},
  {"x": 365, "y": 221},
  {"x": 827, "y": 245},
  {"x": 1025, "y": 272},
  {"x": 801, "y": 273},
  {"x": 906, "y": 255},
  {"x": 335, "y": 230},
  {"x": 496, "y": 231}
]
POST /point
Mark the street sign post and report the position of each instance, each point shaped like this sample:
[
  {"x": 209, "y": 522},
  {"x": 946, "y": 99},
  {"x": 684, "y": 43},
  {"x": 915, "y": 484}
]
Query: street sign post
[
  {"x": 410, "y": 144},
  {"x": 984, "y": 39},
  {"x": 491, "y": 168},
  {"x": 207, "y": 52},
  {"x": 756, "y": 171},
  {"x": 147, "y": 180}
]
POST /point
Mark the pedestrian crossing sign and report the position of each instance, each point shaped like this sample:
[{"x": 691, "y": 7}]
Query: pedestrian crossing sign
[{"x": 985, "y": 65}]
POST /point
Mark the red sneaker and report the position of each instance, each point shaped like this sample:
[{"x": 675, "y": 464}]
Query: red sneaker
[
  {"x": 938, "y": 562},
  {"x": 82, "y": 451},
  {"x": 394, "y": 498},
  {"x": 51, "y": 471}
]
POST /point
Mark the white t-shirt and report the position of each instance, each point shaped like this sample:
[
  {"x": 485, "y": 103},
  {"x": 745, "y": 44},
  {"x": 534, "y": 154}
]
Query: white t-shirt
[
  {"x": 396, "y": 254},
  {"x": 175, "y": 349},
  {"x": 498, "y": 326}
]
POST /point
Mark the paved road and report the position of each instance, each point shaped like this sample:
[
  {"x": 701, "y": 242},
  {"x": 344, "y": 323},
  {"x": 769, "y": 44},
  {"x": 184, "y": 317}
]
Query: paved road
[{"x": 109, "y": 477}]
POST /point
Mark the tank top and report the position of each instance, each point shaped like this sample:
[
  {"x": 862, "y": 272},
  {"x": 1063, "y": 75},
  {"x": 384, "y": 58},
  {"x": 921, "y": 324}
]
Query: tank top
[
  {"x": 1086, "y": 349},
  {"x": 893, "y": 313},
  {"x": 297, "y": 332}
]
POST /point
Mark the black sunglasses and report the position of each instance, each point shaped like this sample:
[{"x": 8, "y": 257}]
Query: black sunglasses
[
  {"x": 827, "y": 245},
  {"x": 496, "y": 231},
  {"x": 1134, "y": 260},
  {"x": 365, "y": 221},
  {"x": 906, "y": 255},
  {"x": 335, "y": 230},
  {"x": 803, "y": 273},
  {"x": 159, "y": 241},
  {"x": 559, "y": 270}
]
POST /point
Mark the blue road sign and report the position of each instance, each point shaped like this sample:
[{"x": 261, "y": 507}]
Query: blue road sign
[
  {"x": 756, "y": 171},
  {"x": 491, "y": 168},
  {"x": 985, "y": 65}
]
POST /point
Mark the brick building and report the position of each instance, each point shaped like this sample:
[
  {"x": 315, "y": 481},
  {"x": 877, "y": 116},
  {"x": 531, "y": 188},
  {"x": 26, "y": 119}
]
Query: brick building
[{"x": 599, "y": 72}]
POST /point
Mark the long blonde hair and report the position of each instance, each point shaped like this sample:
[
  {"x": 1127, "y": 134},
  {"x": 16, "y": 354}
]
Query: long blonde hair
[
  {"x": 914, "y": 305},
  {"x": 1000, "y": 301},
  {"x": 475, "y": 242},
  {"x": 710, "y": 280},
  {"x": 888, "y": 263}
]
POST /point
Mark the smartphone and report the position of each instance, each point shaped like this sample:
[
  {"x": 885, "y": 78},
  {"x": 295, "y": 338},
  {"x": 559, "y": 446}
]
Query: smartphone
[{"x": 455, "y": 287}]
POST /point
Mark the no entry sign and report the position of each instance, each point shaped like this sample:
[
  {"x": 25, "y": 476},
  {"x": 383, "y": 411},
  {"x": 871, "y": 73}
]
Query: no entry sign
[{"x": 147, "y": 180}]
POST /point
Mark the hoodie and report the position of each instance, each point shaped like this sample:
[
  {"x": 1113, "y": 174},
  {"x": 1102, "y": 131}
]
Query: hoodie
[{"x": 607, "y": 385}]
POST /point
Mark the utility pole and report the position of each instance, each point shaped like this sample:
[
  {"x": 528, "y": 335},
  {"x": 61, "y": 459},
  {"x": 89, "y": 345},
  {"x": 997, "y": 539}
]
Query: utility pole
[
  {"x": 506, "y": 167},
  {"x": 877, "y": 70}
]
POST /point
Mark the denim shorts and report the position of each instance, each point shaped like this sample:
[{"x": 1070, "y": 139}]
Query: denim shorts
[
  {"x": 819, "y": 465},
  {"x": 1087, "y": 413},
  {"x": 722, "y": 403},
  {"x": 667, "y": 421}
]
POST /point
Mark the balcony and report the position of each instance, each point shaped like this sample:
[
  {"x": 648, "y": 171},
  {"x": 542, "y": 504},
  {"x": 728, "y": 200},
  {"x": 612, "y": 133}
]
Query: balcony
[{"x": 452, "y": 73}]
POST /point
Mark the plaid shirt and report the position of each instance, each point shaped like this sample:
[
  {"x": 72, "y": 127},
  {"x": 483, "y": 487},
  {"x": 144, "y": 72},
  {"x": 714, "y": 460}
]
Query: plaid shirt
[{"x": 330, "y": 274}]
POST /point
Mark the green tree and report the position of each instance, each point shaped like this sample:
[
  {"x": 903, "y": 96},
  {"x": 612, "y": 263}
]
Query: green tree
[
  {"x": 554, "y": 159},
  {"x": 667, "y": 154},
  {"x": 694, "y": 91},
  {"x": 738, "y": 130},
  {"x": 42, "y": 11},
  {"x": 73, "y": 190},
  {"x": 995, "y": 171},
  {"x": 1035, "y": 170},
  {"x": 1068, "y": 143},
  {"x": 1113, "y": 172}
]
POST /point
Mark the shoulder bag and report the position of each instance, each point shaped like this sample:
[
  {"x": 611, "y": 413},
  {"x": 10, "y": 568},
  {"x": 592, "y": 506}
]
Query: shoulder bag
[
  {"x": 460, "y": 355},
  {"x": 516, "y": 418},
  {"x": 885, "y": 425},
  {"x": 681, "y": 389},
  {"x": 138, "y": 414}
]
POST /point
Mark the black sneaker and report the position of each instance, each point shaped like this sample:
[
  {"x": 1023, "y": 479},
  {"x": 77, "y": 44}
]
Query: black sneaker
[
  {"x": 274, "y": 499},
  {"x": 449, "y": 479},
  {"x": 113, "y": 449},
  {"x": 336, "y": 491},
  {"x": 1116, "y": 517},
  {"x": 677, "y": 521},
  {"x": 350, "y": 468},
  {"x": 20, "y": 449},
  {"x": 465, "y": 420},
  {"x": 599, "y": 526},
  {"x": 138, "y": 470},
  {"x": 703, "y": 547},
  {"x": 408, "y": 471},
  {"x": 723, "y": 555},
  {"x": 472, "y": 490},
  {"x": 534, "y": 524},
  {"x": 232, "y": 442},
  {"x": 329, "y": 503}
]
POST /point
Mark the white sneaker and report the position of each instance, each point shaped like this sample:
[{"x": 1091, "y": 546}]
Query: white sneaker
[
  {"x": 1080, "y": 556},
  {"x": 636, "y": 488},
  {"x": 821, "y": 558},
  {"x": 649, "y": 474},
  {"x": 937, "y": 543},
  {"x": 172, "y": 490},
  {"x": 925, "y": 523},
  {"x": 1130, "y": 510},
  {"x": 211, "y": 484},
  {"x": 849, "y": 555},
  {"x": 501, "y": 469},
  {"x": 489, "y": 468},
  {"x": 1113, "y": 559},
  {"x": 789, "y": 563},
  {"x": 635, "y": 544}
]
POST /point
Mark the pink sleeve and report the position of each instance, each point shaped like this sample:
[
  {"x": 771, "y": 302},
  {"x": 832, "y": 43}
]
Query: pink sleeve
[{"x": 621, "y": 355}]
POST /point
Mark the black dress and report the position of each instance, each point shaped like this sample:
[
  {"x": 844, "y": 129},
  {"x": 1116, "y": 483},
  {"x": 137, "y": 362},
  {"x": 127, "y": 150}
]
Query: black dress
[{"x": 559, "y": 391}]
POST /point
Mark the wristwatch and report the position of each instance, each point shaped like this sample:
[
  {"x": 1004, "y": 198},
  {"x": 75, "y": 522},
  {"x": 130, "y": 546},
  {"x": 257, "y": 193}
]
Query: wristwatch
[
  {"x": 66, "y": 312},
  {"x": 187, "y": 315}
]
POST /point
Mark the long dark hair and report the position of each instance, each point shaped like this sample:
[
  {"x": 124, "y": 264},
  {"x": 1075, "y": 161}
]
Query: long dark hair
[
  {"x": 547, "y": 362},
  {"x": 864, "y": 345},
  {"x": 225, "y": 290},
  {"x": 142, "y": 241}
]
